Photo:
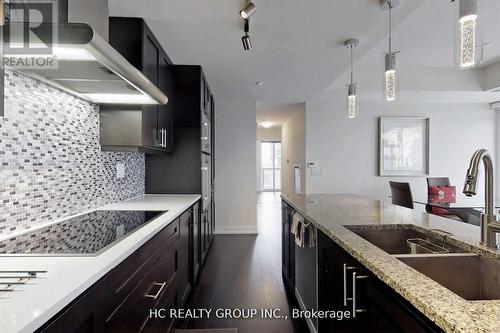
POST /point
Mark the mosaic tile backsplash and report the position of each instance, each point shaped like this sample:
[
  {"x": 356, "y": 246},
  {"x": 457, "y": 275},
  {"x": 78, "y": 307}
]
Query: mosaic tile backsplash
[{"x": 52, "y": 165}]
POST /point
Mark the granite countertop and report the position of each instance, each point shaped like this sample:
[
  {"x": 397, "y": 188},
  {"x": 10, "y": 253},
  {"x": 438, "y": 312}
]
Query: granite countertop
[
  {"x": 330, "y": 212},
  {"x": 31, "y": 305}
]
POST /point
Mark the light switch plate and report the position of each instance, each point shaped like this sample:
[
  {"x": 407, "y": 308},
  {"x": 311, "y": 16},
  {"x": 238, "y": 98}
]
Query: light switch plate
[{"x": 120, "y": 170}]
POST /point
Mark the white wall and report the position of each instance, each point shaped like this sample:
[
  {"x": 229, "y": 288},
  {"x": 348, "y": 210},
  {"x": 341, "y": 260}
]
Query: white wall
[
  {"x": 293, "y": 145},
  {"x": 269, "y": 134},
  {"x": 235, "y": 181},
  {"x": 348, "y": 149}
]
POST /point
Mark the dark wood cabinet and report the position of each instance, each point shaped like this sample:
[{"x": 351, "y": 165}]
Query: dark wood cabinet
[
  {"x": 159, "y": 275},
  {"x": 184, "y": 252},
  {"x": 195, "y": 240},
  {"x": 287, "y": 247},
  {"x": 165, "y": 112},
  {"x": 332, "y": 262},
  {"x": 346, "y": 285},
  {"x": 190, "y": 167},
  {"x": 144, "y": 128}
]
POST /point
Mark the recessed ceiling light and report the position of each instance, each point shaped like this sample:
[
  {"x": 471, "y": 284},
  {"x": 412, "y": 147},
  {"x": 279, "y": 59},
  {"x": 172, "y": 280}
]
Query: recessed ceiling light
[
  {"x": 266, "y": 124},
  {"x": 259, "y": 83}
]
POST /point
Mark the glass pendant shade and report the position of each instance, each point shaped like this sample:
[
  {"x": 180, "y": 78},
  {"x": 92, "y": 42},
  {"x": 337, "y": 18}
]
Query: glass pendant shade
[
  {"x": 352, "y": 103},
  {"x": 468, "y": 42},
  {"x": 390, "y": 78}
]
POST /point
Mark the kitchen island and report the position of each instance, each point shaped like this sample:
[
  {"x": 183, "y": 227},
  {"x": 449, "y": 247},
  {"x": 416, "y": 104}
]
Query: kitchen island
[{"x": 329, "y": 213}]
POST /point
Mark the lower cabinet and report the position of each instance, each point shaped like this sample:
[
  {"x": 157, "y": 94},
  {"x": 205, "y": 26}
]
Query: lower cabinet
[
  {"x": 345, "y": 286},
  {"x": 206, "y": 231},
  {"x": 287, "y": 247},
  {"x": 159, "y": 275}
]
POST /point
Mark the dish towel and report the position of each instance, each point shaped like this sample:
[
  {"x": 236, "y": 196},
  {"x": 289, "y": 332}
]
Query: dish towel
[
  {"x": 297, "y": 220},
  {"x": 310, "y": 240},
  {"x": 307, "y": 235}
]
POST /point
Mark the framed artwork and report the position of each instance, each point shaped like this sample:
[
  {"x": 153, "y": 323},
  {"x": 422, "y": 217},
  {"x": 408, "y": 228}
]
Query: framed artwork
[{"x": 404, "y": 146}]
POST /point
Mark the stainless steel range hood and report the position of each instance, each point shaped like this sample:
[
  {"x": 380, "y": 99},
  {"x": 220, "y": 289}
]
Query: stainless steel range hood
[{"x": 86, "y": 65}]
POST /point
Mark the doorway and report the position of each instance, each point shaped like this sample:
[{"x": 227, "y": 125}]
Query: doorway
[{"x": 270, "y": 161}]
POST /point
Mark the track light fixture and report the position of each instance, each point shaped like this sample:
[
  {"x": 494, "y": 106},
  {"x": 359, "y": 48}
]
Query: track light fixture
[
  {"x": 352, "y": 103},
  {"x": 248, "y": 11},
  {"x": 247, "y": 43},
  {"x": 390, "y": 73}
]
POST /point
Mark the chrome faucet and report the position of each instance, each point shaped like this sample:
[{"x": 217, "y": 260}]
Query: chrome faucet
[{"x": 489, "y": 224}]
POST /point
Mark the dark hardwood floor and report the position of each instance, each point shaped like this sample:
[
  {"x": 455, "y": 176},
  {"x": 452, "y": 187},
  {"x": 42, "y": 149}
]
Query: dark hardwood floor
[{"x": 243, "y": 272}]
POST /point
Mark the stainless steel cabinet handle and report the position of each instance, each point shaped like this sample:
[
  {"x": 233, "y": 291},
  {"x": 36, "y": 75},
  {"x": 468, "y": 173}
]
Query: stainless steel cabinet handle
[
  {"x": 156, "y": 284},
  {"x": 346, "y": 268},
  {"x": 165, "y": 140},
  {"x": 161, "y": 140},
  {"x": 355, "y": 277}
]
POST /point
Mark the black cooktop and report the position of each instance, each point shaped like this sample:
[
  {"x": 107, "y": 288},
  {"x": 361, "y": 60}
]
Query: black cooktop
[{"x": 88, "y": 234}]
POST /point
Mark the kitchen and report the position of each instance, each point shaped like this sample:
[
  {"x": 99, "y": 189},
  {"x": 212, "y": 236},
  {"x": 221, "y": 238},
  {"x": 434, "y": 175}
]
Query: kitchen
[{"x": 129, "y": 164}]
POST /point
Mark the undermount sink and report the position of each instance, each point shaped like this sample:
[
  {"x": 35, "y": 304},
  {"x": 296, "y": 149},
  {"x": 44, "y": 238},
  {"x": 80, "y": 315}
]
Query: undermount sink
[
  {"x": 403, "y": 240},
  {"x": 470, "y": 276}
]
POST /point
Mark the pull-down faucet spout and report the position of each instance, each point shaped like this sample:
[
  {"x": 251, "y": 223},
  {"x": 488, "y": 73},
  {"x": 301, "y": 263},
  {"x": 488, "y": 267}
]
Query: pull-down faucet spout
[{"x": 489, "y": 224}]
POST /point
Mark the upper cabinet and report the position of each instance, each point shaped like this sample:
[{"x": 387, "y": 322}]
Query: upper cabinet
[{"x": 144, "y": 128}]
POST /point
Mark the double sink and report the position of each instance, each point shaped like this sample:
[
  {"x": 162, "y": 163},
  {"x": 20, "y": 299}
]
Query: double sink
[{"x": 471, "y": 276}]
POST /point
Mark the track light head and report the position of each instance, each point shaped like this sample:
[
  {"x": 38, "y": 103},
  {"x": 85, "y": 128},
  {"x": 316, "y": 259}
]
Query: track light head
[
  {"x": 247, "y": 43},
  {"x": 248, "y": 11}
]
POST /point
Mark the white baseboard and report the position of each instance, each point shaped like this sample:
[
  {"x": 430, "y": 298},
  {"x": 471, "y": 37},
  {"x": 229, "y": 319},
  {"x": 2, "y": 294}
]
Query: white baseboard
[{"x": 236, "y": 230}]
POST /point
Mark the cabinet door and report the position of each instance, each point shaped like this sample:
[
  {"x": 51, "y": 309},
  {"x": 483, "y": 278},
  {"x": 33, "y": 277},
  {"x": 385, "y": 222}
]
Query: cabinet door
[
  {"x": 210, "y": 231},
  {"x": 386, "y": 311},
  {"x": 288, "y": 248},
  {"x": 165, "y": 112},
  {"x": 204, "y": 234},
  {"x": 195, "y": 244},
  {"x": 332, "y": 295},
  {"x": 183, "y": 281},
  {"x": 151, "y": 55},
  {"x": 157, "y": 286}
]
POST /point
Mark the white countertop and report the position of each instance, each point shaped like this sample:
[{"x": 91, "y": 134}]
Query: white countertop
[{"x": 31, "y": 305}]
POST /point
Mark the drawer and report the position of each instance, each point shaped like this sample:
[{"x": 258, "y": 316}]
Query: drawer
[
  {"x": 132, "y": 315},
  {"x": 170, "y": 300},
  {"x": 129, "y": 273}
]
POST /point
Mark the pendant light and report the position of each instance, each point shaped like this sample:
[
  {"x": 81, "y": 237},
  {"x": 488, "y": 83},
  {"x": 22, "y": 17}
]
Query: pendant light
[
  {"x": 390, "y": 72},
  {"x": 352, "y": 103},
  {"x": 468, "y": 45}
]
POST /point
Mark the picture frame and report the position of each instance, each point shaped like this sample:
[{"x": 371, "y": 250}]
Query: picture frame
[{"x": 404, "y": 146}]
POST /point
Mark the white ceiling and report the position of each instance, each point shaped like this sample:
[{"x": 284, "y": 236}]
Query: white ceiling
[
  {"x": 297, "y": 45},
  {"x": 427, "y": 72}
]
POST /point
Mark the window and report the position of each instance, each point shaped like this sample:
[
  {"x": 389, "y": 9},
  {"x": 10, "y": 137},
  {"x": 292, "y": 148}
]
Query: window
[{"x": 271, "y": 166}]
